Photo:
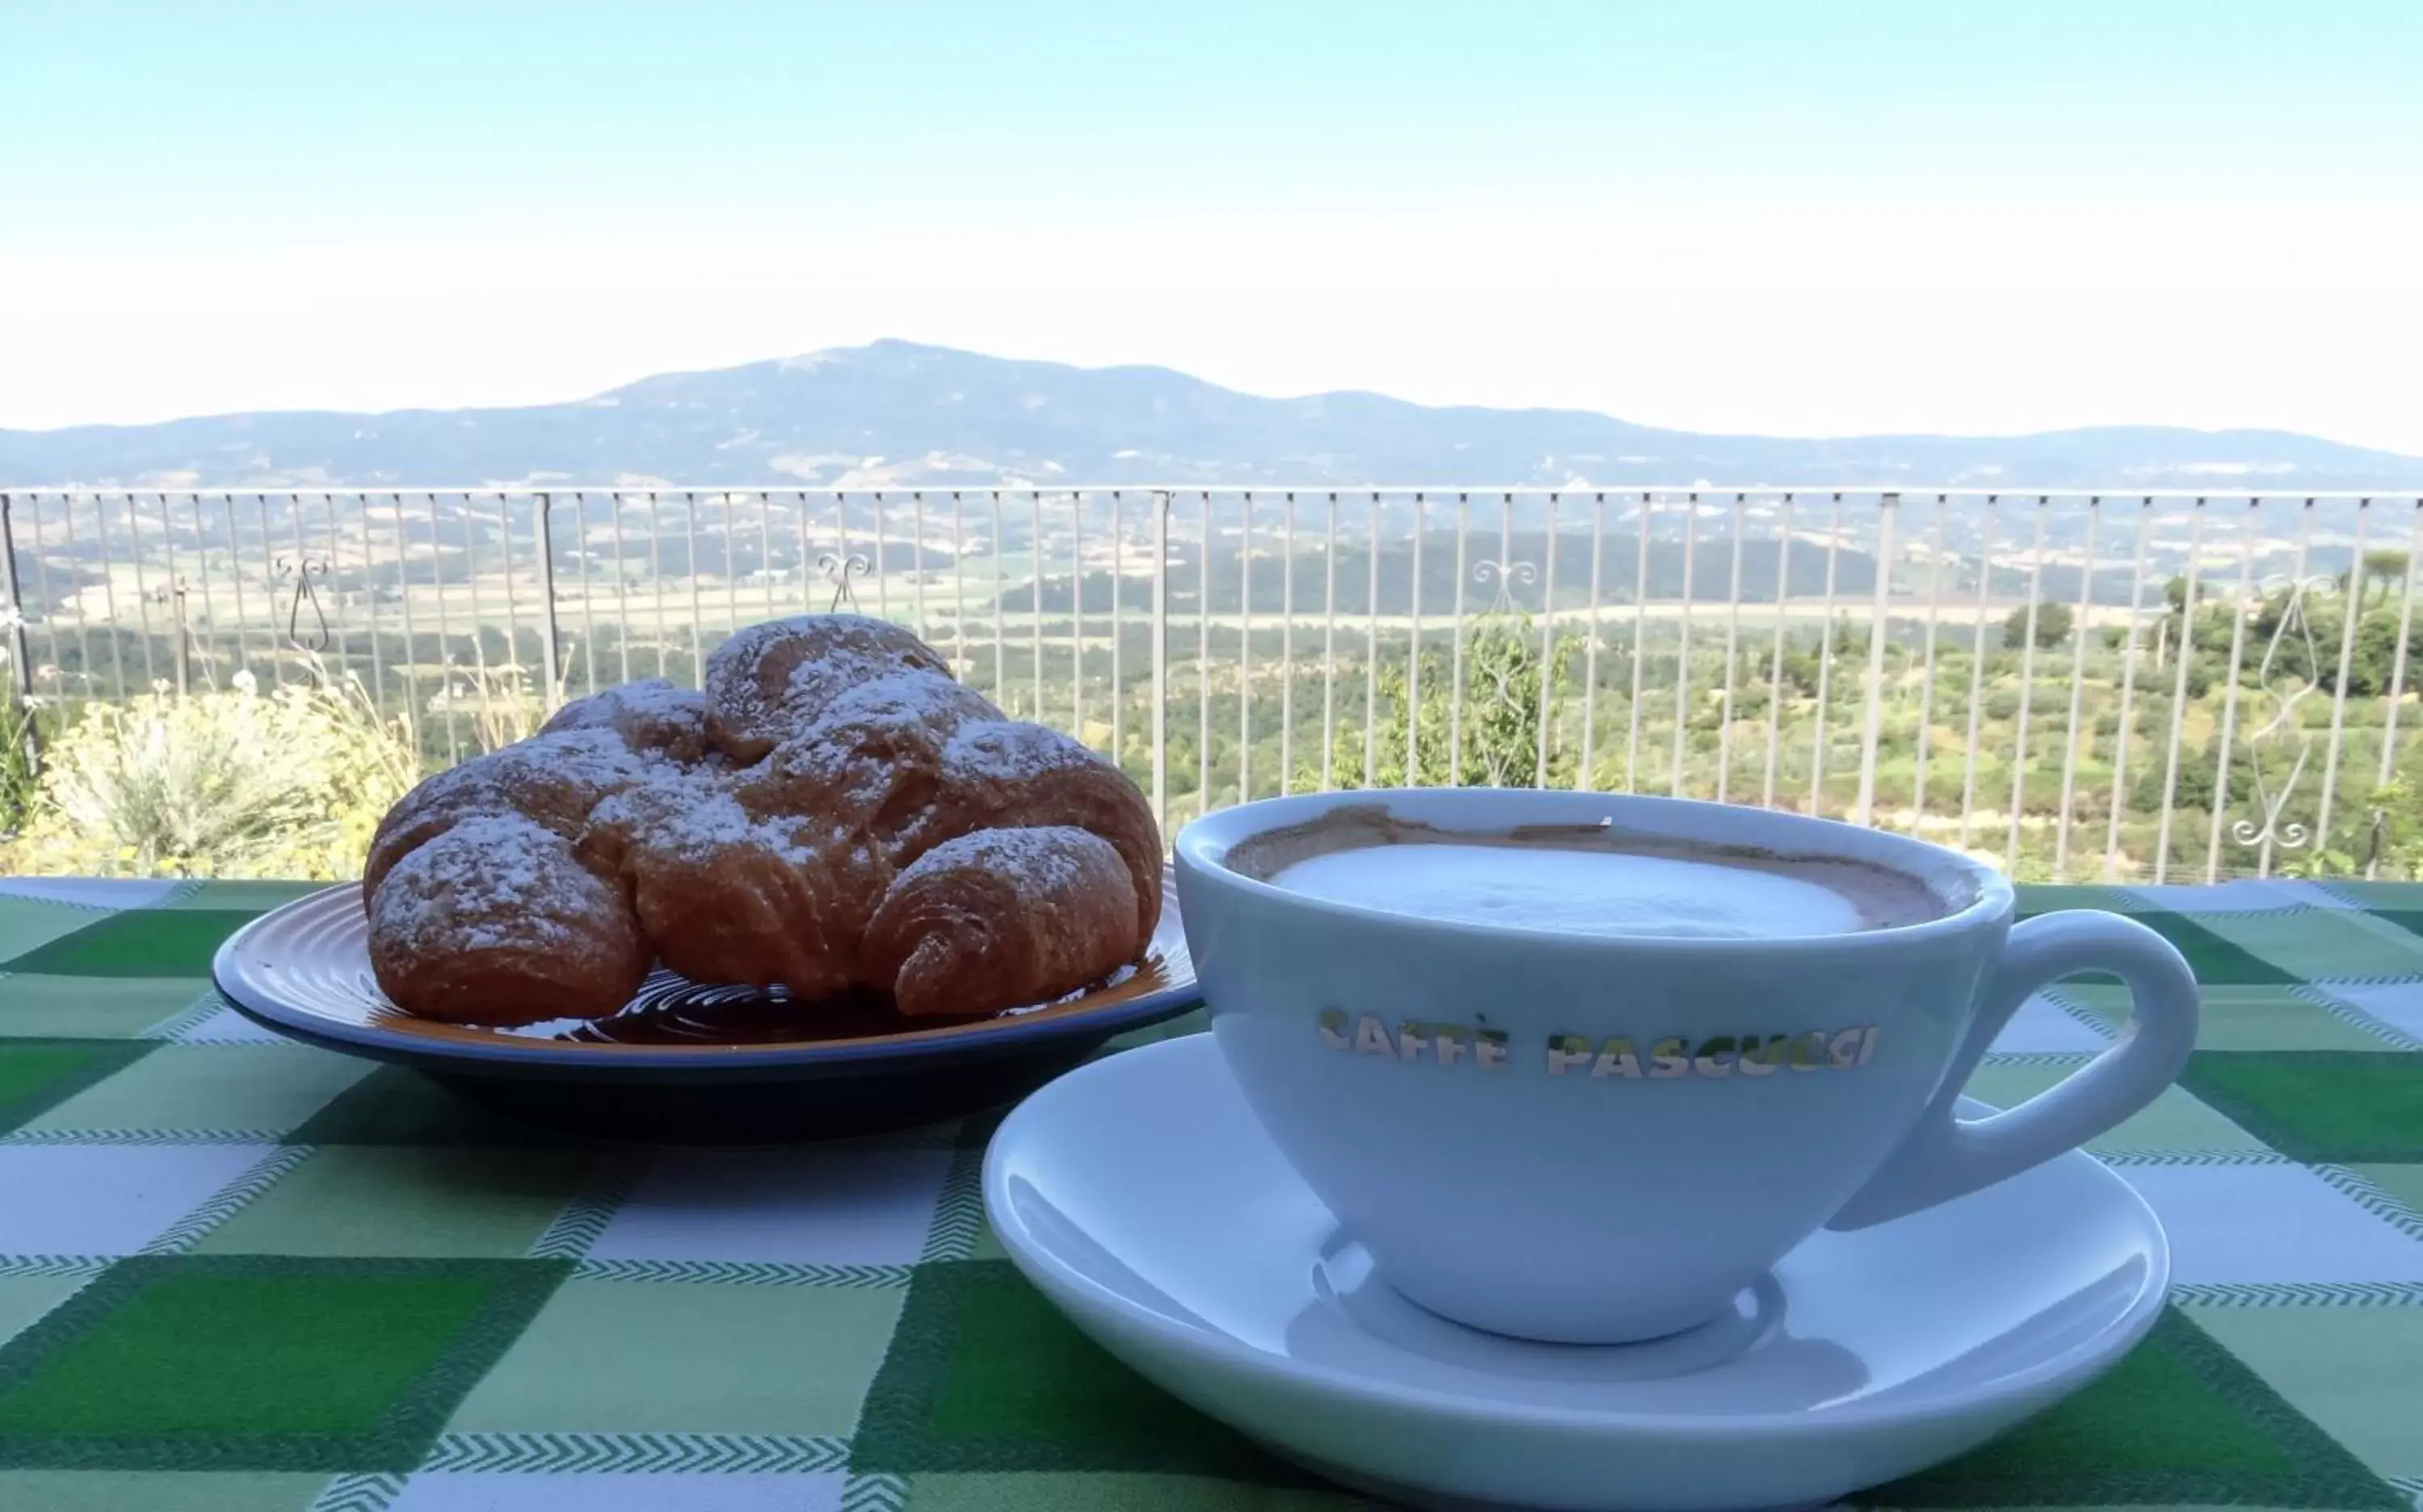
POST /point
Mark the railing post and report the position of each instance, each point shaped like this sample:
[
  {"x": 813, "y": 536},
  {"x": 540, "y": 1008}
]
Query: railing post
[
  {"x": 548, "y": 652},
  {"x": 20, "y": 651},
  {"x": 1864, "y": 810},
  {"x": 1161, "y": 658}
]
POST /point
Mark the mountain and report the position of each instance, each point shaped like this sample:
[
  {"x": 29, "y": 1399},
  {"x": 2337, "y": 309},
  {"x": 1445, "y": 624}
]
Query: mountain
[{"x": 897, "y": 415}]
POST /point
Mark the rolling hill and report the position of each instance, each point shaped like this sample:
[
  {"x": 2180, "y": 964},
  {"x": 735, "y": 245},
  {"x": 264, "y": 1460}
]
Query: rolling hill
[{"x": 895, "y": 414}]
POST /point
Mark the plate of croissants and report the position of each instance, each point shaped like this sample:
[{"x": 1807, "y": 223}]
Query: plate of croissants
[{"x": 833, "y": 890}]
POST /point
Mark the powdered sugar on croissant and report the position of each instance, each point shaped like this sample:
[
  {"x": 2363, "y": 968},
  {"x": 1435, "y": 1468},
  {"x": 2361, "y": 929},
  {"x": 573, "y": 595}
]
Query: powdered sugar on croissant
[
  {"x": 835, "y": 810},
  {"x": 768, "y": 679},
  {"x": 496, "y": 922},
  {"x": 1041, "y": 907}
]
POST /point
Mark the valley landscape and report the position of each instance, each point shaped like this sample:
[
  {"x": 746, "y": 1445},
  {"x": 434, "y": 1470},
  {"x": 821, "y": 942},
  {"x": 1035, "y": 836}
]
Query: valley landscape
[{"x": 2123, "y": 652}]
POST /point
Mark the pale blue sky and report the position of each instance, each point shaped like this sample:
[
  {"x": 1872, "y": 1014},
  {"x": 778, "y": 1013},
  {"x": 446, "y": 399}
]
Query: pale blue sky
[{"x": 1742, "y": 217}]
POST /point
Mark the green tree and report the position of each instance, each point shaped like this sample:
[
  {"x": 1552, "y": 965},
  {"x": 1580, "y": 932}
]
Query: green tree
[
  {"x": 1499, "y": 738},
  {"x": 1503, "y": 698},
  {"x": 2175, "y": 602},
  {"x": 2054, "y": 624},
  {"x": 2387, "y": 569},
  {"x": 2198, "y": 779},
  {"x": 2310, "y": 653},
  {"x": 1800, "y": 673},
  {"x": 2372, "y": 661}
]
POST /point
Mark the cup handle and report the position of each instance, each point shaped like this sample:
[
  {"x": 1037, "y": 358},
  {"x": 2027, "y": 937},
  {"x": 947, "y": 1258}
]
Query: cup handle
[{"x": 1944, "y": 1157}]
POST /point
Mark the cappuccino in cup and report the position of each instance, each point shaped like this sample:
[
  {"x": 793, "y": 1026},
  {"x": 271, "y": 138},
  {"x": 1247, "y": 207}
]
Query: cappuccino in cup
[{"x": 1580, "y": 1067}]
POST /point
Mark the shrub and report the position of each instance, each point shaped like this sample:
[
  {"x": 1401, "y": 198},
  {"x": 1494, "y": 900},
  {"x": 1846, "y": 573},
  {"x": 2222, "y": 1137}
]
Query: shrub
[
  {"x": 2053, "y": 625},
  {"x": 2395, "y": 826},
  {"x": 1500, "y": 723},
  {"x": 236, "y": 783},
  {"x": 17, "y": 778},
  {"x": 16, "y": 729}
]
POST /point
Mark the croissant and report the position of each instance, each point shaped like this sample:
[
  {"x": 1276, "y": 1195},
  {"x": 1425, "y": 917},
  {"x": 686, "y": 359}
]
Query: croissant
[
  {"x": 553, "y": 779},
  {"x": 1049, "y": 908},
  {"x": 833, "y": 810},
  {"x": 494, "y": 921},
  {"x": 651, "y": 715},
  {"x": 765, "y": 680},
  {"x": 1009, "y": 774}
]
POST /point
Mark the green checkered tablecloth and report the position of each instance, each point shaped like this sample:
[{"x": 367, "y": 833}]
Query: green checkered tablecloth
[{"x": 240, "y": 1275}]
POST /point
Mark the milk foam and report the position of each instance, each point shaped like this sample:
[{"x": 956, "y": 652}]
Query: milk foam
[
  {"x": 1577, "y": 891},
  {"x": 1586, "y": 878}
]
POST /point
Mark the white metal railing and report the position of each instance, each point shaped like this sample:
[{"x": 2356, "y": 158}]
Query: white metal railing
[{"x": 2209, "y": 685}]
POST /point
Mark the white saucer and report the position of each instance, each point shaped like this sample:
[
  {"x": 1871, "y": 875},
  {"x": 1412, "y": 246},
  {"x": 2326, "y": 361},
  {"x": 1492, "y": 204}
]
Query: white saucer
[{"x": 1141, "y": 1197}]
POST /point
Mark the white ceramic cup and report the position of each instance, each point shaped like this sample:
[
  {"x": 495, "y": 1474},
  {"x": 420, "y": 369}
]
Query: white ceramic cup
[{"x": 1560, "y": 1135}]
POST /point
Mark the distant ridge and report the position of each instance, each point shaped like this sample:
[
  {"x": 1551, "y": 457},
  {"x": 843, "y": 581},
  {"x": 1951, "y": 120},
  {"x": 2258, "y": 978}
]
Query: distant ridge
[{"x": 894, "y": 414}]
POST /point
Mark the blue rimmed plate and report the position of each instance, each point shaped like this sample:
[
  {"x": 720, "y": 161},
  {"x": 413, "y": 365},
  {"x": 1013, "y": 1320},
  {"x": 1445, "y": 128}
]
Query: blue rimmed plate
[{"x": 686, "y": 1061}]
